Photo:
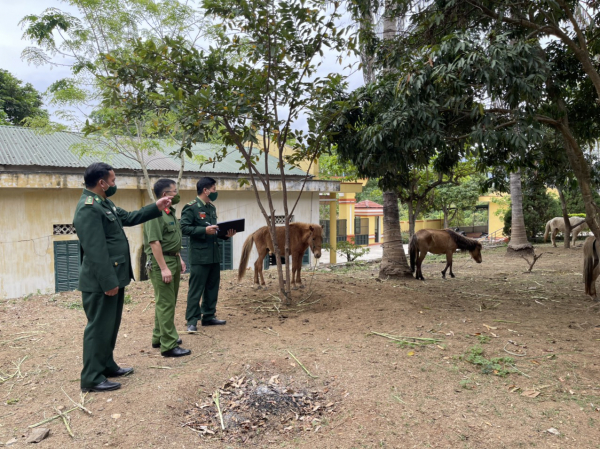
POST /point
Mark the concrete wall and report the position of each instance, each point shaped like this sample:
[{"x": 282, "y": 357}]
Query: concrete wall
[
  {"x": 422, "y": 224},
  {"x": 28, "y": 216}
]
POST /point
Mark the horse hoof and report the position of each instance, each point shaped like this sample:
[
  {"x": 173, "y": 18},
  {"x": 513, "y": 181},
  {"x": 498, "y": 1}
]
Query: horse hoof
[
  {"x": 452, "y": 276},
  {"x": 302, "y": 286}
]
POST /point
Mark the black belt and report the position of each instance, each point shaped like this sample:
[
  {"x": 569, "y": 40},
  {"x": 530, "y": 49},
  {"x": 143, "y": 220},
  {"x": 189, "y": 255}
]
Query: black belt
[{"x": 170, "y": 253}]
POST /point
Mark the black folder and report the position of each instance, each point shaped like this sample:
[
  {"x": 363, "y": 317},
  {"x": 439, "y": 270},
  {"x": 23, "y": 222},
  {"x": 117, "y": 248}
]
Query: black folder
[{"x": 237, "y": 225}]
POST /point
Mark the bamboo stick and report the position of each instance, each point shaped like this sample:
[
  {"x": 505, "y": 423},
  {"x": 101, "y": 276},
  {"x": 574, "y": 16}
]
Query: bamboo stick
[{"x": 303, "y": 367}]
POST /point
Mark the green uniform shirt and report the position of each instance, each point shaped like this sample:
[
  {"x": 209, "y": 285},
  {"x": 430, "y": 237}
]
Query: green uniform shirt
[
  {"x": 164, "y": 229},
  {"x": 105, "y": 257},
  {"x": 195, "y": 217}
]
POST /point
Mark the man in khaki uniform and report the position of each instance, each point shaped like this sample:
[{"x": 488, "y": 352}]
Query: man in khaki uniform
[
  {"x": 162, "y": 244},
  {"x": 105, "y": 271},
  {"x": 199, "y": 221}
]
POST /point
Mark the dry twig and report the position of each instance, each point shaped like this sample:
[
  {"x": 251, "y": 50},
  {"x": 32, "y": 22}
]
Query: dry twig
[
  {"x": 217, "y": 403},
  {"x": 531, "y": 264},
  {"x": 80, "y": 405},
  {"x": 415, "y": 340},
  {"x": 65, "y": 419},
  {"x": 303, "y": 367},
  {"x": 52, "y": 418}
]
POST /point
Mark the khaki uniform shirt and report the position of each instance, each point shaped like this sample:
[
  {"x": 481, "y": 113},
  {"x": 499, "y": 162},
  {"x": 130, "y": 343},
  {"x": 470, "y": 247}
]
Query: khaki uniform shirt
[{"x": 164, "y": 229}]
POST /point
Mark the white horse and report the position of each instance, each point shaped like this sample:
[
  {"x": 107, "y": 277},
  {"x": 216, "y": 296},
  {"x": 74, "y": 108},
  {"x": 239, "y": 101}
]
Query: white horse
[{"x": 557, "y": 224}]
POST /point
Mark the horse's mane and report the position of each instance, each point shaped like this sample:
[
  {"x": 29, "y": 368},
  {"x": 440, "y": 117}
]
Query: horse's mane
[
  {"x": 463, "y": 242},
  {"x": 317, "y": 228}
]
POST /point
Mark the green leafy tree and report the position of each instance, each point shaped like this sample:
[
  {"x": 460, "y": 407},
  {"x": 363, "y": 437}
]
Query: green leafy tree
[
  {"x": 251, "y": 103},
  {"x": 419, "y": 194},
  {"x": 447, "y": 66},
  {"x": 18, "y": 102},
  {"x": 452, "y": 199},
  {"x": 80, "y": 41},
  {"x": 371, "y": 191}
]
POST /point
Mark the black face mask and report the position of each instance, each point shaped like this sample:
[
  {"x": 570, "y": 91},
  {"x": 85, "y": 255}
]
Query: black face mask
[{"x": 111, "y": 190}]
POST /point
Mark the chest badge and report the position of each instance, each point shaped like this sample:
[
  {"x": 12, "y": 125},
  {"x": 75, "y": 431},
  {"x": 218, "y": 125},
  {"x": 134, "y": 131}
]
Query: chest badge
[{"x": 202, "y": 215}]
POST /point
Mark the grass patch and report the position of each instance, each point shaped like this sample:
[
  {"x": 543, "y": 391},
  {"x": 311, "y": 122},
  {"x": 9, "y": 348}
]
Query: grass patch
[
  {"x": 484, "y": 339},
  {"x": 498, "y": 366},
  {"x": 75, "y": 305}
]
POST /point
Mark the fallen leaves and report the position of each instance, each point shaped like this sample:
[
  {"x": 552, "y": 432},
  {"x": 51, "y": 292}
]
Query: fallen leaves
[
  {"x": 530, "y": 393},
  {"x": 251, "y": 407}
]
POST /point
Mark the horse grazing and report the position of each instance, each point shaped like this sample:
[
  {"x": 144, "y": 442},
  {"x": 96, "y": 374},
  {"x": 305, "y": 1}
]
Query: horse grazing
[
  {"x": 557, "y": 224},
  {"x": 302, "y": 236},
  {"x": 591, "y": 267},
  {"x": 440, "y": 241}
]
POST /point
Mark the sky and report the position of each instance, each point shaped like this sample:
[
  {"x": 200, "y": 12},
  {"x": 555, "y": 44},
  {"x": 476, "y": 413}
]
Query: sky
[{"x": 12, "y": 44}]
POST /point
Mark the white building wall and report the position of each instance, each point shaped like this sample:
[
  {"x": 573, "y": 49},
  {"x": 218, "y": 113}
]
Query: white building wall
[{"x": 28, "y": 216}]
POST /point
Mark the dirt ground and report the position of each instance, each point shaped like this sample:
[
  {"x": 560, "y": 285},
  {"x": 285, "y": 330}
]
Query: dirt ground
[{"x": 507, "y": 359}]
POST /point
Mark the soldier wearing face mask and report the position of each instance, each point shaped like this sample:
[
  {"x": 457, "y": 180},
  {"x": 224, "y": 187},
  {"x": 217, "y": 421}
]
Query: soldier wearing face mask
[
  {"x": 104, "y": 272},
  {"x": 199, "y": 221},
  {"x": 162, "y": 243}
]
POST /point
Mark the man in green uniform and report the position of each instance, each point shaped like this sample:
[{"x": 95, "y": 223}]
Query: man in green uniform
[
  {"x": 199, "y": 221},
  {"x": 105, "y": 271},
  {"x": 162, "y": 243}
]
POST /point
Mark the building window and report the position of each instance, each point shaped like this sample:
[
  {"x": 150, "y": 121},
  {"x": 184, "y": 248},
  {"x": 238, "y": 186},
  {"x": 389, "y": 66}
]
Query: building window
[
  {"x": 66, "y": 265},
  {"x": 63, "y": 229},
  {"x": 280, "y": 219}
]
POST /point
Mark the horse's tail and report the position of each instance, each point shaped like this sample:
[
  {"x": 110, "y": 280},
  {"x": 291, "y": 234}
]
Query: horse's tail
[
  {"x": 590, "y": 261},
  {"x": 245, "y": 256},
  {"x": 413, "y": 251},
  {"x": 548, "y": 229}
]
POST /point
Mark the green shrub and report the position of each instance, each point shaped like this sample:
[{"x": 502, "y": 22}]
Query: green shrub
[{"x": 350, "y": 250}]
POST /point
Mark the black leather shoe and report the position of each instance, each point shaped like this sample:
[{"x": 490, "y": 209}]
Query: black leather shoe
[
  {"x": 121, "y": 372},
  {"x": 192, "y": 328},
  {"x": 157, "y": 345},
  {"x": 107, "y": 385},
  {"x": 214, "y": 322},
  {"x": 176, "y": 352}
]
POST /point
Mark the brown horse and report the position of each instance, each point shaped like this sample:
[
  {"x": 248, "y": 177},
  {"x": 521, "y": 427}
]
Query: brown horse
[
  {"x": 440, "y": 241},
  {"x": 302, "y": 236},
  {"x": 591, "y": 267}
]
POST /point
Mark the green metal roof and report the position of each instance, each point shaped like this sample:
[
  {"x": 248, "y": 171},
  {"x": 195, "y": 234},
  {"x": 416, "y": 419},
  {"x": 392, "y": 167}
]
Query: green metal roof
[{"x": 25, "y": 146}]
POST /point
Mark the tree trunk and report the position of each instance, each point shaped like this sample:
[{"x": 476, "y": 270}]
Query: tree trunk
[
  {"x": 366, "y": 23},
  {"x": 563, "y": 205},
  {"x": 445, "y": 210},
  {"x": 393, "y": 263},
  {"x": 518, "y": 244}
]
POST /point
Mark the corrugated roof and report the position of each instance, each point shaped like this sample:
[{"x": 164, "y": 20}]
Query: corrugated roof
[{"x": 25, "y": 146}]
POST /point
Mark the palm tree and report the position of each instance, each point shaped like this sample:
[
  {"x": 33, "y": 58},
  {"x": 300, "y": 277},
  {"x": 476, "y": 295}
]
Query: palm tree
[
  {"x": 518, "y": 244},
  {"x": 393, "y": 262}
]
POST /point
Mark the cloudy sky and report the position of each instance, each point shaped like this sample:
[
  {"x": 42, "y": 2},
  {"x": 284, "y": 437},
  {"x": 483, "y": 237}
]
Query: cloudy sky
[{"x": 12, "y": 44}]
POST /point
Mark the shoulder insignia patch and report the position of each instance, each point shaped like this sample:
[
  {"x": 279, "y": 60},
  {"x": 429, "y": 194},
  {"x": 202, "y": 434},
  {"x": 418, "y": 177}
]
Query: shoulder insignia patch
[
  {"x": 89, "y": 200},
  {"x": 191, "y": 203}
]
